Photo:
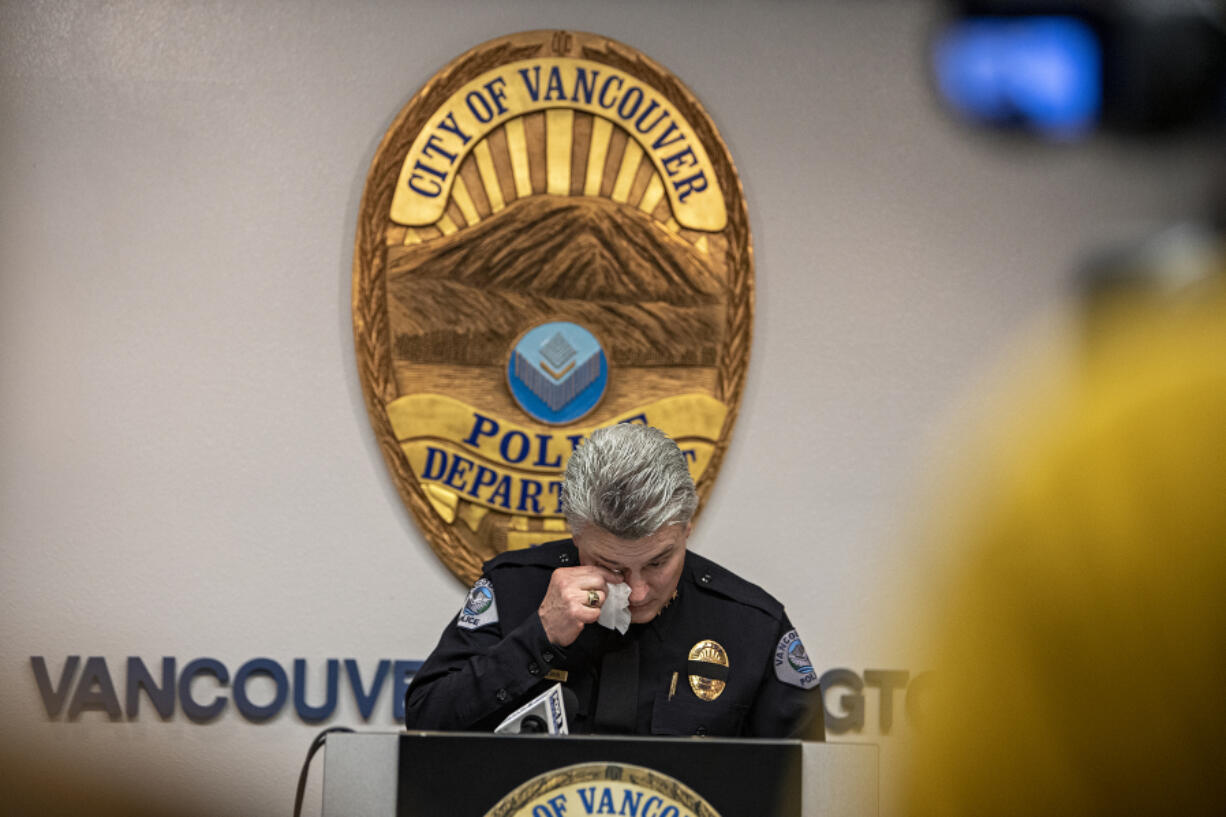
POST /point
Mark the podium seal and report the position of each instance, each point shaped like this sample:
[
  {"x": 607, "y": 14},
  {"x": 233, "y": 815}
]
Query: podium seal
[
  {"x": 602, "y": 788},
  {"x": 552, "y": 238}
]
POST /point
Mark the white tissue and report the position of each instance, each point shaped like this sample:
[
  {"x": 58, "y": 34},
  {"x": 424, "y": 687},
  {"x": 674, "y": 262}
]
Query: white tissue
[{"x": 615, "y": 612}]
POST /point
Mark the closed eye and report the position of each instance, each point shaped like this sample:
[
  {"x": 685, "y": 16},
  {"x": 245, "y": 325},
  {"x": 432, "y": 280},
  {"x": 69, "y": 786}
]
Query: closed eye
[{"x": 661, "y": 560}]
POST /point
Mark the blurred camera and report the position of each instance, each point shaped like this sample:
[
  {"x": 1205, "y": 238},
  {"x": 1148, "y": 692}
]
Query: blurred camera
[{"x": 1062, "y": 69}]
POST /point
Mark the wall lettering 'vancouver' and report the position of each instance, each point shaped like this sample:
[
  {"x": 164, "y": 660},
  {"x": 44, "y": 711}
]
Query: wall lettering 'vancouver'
[{"x": 203, "y": 688}]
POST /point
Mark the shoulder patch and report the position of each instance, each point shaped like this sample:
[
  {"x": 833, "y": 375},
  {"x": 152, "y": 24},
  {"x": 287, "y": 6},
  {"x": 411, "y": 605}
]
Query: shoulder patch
[
  {"x": 792, "y": 664},
  {"x": 480, "y": 608}
]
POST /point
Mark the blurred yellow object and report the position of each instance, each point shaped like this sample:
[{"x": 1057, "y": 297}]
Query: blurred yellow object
[{"x": 1080, "y": 653}]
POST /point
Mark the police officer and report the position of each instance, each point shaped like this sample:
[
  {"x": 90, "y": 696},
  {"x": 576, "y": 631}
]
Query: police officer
[{"x": 705, "y": 653}]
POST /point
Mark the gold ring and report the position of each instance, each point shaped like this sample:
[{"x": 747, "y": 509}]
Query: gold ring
[{"x": 593, "y": 598}]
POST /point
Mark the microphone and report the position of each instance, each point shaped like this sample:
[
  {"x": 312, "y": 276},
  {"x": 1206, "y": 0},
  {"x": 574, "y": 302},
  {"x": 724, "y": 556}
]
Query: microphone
[{"x": 545, "y": 714}]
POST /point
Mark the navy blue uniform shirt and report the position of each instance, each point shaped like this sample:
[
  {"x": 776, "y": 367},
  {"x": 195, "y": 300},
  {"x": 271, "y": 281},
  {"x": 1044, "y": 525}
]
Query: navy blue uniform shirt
[{"x": 494, "y": 656}]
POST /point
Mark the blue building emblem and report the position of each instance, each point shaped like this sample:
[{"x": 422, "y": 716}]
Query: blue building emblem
[
  {"x": 479, "y": 600},
  {"x": 558, "y": 372},
  {"x": 798, "y": 658}
]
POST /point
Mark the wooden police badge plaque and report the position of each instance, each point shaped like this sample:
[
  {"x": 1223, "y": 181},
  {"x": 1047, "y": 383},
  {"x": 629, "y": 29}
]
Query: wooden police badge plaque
[{"x": 552, "y": 238}]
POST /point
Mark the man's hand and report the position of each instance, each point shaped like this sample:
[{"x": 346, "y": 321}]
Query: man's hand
[{"x": 565, "y": 609}]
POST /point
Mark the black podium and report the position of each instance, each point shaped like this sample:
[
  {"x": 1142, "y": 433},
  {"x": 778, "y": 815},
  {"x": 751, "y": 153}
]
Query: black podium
[{"x": 435, "y": 773}]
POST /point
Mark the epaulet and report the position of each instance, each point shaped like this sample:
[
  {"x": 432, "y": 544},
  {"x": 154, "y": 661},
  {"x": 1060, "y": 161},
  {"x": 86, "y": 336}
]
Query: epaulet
[
  {"x": 559, "y": 553},
  {"x": 715, "y": 578}
]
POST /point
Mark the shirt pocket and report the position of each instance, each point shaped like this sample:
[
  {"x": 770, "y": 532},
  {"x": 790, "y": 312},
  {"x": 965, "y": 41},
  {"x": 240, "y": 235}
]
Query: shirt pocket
[{"x": 690, "y": 716}]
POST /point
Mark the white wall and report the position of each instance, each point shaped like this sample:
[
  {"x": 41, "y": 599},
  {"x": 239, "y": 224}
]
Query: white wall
[{"x": 187, "y": 466}]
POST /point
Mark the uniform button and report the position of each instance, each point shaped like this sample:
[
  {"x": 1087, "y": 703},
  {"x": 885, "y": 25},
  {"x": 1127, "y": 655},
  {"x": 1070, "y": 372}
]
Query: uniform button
[
  {"x": 701, "y": 731},
  {"x": 706, "y": 578},
  {"x": 534, "y": 669},
  {"x": 501, "y": 696},
  {"x": 547, "y": 656}
]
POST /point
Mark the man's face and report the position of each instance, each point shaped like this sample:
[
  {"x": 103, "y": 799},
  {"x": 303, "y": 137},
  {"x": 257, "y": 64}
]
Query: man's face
[{"x": 651, "y": 566}]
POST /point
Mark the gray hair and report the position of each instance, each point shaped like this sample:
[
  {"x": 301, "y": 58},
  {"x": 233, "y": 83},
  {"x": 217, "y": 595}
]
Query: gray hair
[{"x": 630, "y": 480}]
